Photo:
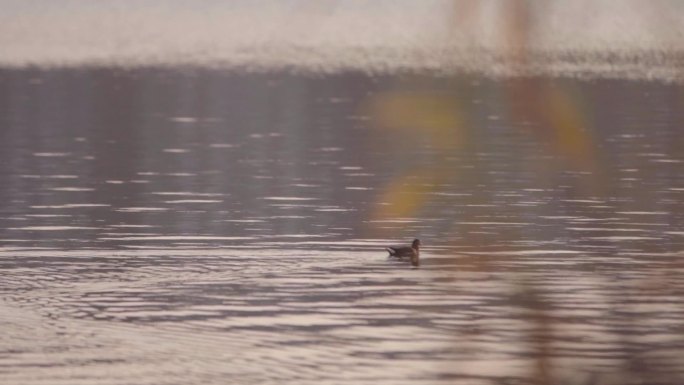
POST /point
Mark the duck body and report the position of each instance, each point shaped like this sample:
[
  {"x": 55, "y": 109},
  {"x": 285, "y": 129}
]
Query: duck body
[{"x": 412, "y": 252}]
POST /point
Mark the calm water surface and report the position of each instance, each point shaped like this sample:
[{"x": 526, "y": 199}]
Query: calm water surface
[{"x": 209, "y": 227}]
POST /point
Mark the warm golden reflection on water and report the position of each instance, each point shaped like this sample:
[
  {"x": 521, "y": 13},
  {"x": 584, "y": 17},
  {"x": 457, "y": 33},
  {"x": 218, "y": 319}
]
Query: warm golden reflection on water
[{"x": 550, "y": 113}]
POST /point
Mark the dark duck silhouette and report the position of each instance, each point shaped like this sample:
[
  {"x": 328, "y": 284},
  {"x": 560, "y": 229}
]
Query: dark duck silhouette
[{"x": 413, "y": 252}]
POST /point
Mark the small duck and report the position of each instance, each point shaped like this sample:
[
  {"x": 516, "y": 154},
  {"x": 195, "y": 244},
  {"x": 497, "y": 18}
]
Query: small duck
[{"x": 412, "y": 251}]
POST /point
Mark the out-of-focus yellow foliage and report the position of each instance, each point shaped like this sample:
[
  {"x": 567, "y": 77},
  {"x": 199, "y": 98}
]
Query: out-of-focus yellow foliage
[
  {"x": 434, "y": 118},
  {"x": 404, "y": 196},
  {"x": 410, "y": 120},
  {"x": 556, "y": 118},
  {"x": 410, "y": 117},
  {"x": 568, "y": 121}
]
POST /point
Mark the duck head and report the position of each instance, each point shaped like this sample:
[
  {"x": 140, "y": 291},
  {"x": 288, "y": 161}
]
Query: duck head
[{"x": 416, "y": 244}]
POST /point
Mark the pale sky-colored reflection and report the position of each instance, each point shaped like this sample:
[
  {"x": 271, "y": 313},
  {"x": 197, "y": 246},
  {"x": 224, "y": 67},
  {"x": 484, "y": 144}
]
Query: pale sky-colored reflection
[{"x": 174, "y": 315}]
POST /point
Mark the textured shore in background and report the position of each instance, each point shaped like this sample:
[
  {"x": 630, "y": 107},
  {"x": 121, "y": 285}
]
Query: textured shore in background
[{"x": 614, "y": 39}]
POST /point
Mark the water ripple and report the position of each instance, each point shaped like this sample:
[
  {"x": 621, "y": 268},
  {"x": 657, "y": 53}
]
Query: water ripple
[{"x": 309, "y": 314}]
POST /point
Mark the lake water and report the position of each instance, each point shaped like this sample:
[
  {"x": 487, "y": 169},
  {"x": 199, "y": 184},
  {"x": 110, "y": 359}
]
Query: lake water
[
  {"x": 212, "y": 227},
  {"x": 201, "y": 192}
]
